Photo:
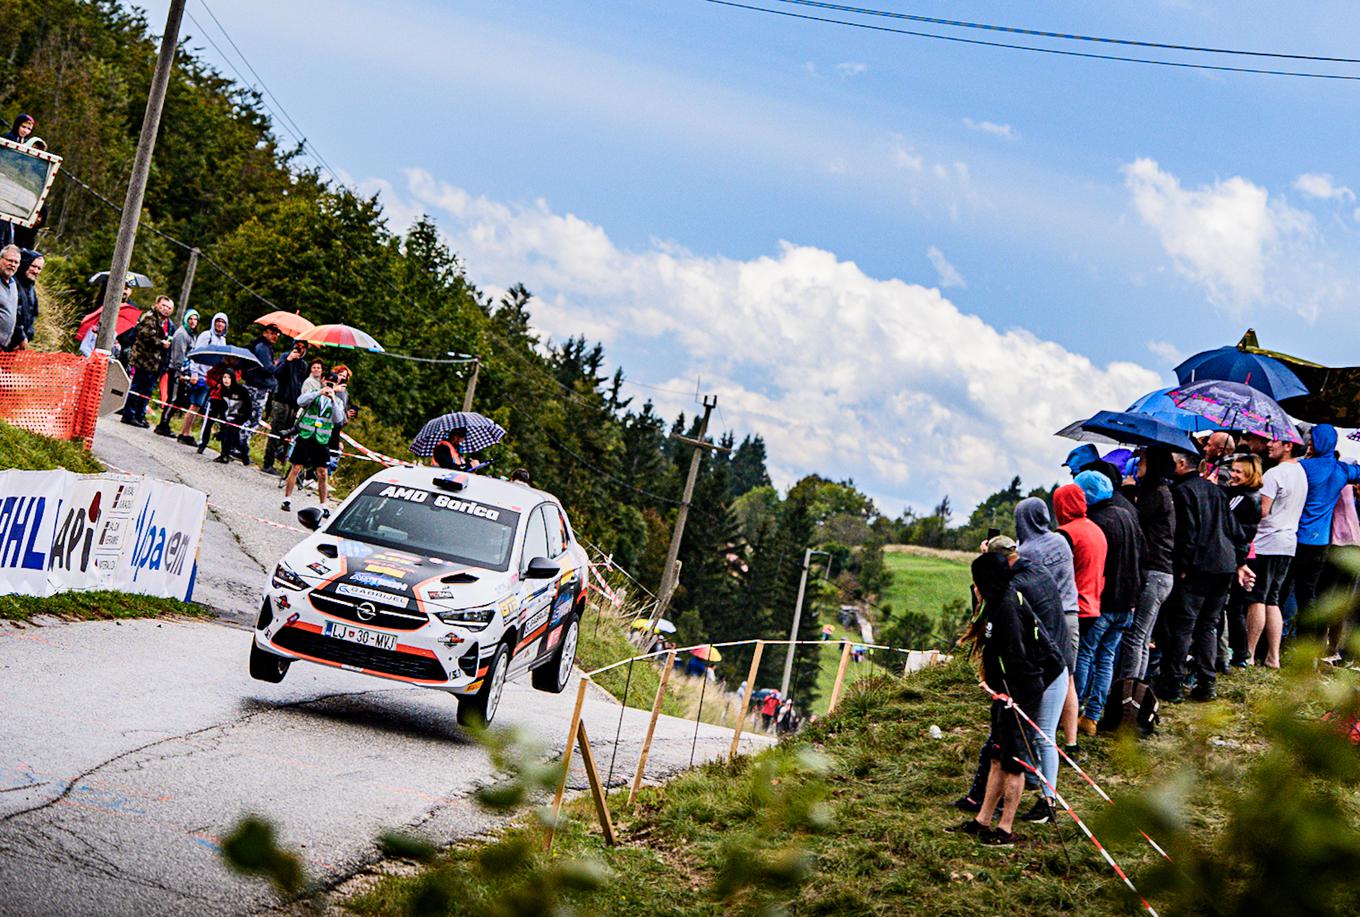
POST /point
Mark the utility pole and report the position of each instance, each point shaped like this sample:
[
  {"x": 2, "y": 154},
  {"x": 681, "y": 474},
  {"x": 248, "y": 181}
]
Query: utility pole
[
  {"x": 798, "y": 619},
  {"x": 188, "y": 285},
  {"x": 141, "y": 169},
  {"x": 668, "y": 573},
  {"x": 471, "y": 389}
]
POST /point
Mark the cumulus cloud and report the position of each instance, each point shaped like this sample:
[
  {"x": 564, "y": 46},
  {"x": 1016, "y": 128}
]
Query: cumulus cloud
[
  {"x": 1323, "y": 187},
  {"x": 843, "y": 373},
  {"x": 1166, "y": 352},
  {"x": 851, "y": 68},
  {"x": 1243, "y": 246},
  {"x": 946, "y": 273},
  {"x": 991, "y": 127}
]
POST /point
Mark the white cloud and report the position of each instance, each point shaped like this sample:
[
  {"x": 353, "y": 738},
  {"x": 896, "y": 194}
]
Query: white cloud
[
  {"x": 838, "y": 166},
  {"x": 1323, "y": 187},
  {"x": 1245, "y": 248},
  {"x": 843, "y": 373},
  {"x": 1166, "y": 352},
  {"x": 991, "y": 127},
  {"x": 904, "y": 158},
  {"x": 851, "y": 68},
  {"x": 947, "y": 274}
]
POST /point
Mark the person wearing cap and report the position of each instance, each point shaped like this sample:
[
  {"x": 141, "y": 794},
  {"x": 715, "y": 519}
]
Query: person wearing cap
[
  {"x": 262, "y": 380},
  {"x": 1080, "y": 457}
]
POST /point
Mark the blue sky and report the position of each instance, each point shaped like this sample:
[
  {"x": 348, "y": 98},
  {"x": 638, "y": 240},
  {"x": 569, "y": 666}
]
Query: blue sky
[{"x": 902, "y": 261}]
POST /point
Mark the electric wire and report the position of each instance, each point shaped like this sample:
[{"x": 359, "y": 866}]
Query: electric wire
[{"x": 1089, "y": 55}]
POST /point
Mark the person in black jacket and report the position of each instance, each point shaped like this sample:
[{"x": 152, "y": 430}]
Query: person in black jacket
[
  {"x": 292, "y": 372},
  {"x": 261, "y": 380},
  {"x": 1157, "y": 520},
  {"x": 1244, "y": 500},
  {"x": 1017, "y": 659},
  {"x": 26, "y": 286},
  {"x": 1209, "y": 548}
]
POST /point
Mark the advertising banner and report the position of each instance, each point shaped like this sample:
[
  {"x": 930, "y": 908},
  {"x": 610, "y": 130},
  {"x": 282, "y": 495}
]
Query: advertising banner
[
  {"x": 107, "y": 531},
  {"x": 30, "y": 502}
]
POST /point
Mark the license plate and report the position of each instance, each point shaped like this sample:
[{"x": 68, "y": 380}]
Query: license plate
[{"x": 360, "y": 636}]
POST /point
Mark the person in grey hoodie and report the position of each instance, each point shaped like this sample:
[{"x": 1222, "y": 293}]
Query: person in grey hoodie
[{"x": 215, "y": 333}]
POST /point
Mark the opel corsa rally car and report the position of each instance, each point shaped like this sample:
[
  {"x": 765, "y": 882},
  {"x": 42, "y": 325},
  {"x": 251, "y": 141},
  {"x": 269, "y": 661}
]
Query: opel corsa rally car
[{"x": 445, "y": 580}]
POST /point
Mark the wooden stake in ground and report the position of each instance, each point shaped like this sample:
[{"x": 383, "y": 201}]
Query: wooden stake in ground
[
  {"x": 840, "y": 678},
  {"x": 566, "y": 757},
  {"x": 597, "y": 789},
  {"x": 651, "y": 726},
  {"x": 746, "y": 701}
]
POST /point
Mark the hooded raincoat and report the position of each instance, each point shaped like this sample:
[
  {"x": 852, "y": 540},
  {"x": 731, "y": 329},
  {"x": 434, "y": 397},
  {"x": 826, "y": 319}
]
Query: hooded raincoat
[
  {"x": 209, "y": 336},
  {"x": 182, "y": 342},
  {"x": 1039, "y": 544},
  {"x": 1088, "y": 547},
  {"x": 1123, "y": 542},
  {"x": 1326, "y": 478}
]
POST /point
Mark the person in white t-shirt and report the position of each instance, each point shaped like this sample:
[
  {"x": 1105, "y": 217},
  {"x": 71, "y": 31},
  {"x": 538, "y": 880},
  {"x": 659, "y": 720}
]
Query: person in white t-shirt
[{"x": 1283, "y": 492}]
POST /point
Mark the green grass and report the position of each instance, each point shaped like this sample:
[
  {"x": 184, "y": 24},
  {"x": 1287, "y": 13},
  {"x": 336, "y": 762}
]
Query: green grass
[
  {"x": 25, "y": 451},
  {"x": 604, "y": 641},
  {"x": 889, "y": 791},
  {"x": 95, "y": 606},
  {"x": 924, "y": 584}
]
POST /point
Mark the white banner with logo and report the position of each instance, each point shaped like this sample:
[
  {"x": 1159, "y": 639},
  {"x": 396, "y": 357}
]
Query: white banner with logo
[{"x": 100, "y": 531}]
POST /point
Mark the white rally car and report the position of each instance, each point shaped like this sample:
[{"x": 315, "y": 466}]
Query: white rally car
[{"x": 442, "y": 579}]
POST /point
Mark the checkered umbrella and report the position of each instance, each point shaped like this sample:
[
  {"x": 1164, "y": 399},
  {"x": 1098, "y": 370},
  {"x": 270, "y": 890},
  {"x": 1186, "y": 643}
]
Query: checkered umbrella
[{"x": 481, "y": 433}]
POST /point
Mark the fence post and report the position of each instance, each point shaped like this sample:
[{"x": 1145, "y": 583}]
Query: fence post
[
  {"x": 840, "y": 677},
  {"x": 566, "y": 758},
  {"x": 597, "y": 789},
  {"x": 651, "y": 727},
  {"x": 746, "y": 700}
]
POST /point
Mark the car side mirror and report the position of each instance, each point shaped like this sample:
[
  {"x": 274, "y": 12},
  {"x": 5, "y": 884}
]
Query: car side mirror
[
  {"x": 541, "y": 568},
  {"x": 310, "y": 517}
]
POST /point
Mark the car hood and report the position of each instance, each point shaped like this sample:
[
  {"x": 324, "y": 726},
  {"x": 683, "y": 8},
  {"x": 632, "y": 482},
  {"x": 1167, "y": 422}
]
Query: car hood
[{"x": 365, "y": 572}]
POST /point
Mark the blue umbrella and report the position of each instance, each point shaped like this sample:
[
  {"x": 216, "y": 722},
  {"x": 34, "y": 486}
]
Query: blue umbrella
[
  {"x": 212, "y": 354},
  {"x": 1132, "y": 429},
  {"x": 1159, "y": 405},
  {"x": 1228, "y": 364}
]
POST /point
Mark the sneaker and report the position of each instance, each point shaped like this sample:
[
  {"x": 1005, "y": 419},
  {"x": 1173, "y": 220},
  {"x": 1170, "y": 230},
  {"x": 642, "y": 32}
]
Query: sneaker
[
  {"x": 967, "y": 804},
  {"x": 1040, "y": 814},
  {"x": 1086, "y": 726},
  {"x": 187, "y": 440},
  {"x": 995, "y": 837},
  {"x": 287, "y": 506},
  {"x": 971, "y": 826}
]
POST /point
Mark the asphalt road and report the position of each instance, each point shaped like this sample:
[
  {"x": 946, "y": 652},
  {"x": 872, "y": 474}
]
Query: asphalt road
[{"x": 128, "y": 750}]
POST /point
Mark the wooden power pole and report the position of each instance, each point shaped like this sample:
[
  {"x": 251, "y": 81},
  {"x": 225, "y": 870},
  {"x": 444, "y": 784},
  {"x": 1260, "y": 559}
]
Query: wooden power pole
[
  {"x": 141, "y": 169},
  {"x": 668, "y": 573},
  {"x": 471, "y": 390},
  {"x": 188, "y": 285}
]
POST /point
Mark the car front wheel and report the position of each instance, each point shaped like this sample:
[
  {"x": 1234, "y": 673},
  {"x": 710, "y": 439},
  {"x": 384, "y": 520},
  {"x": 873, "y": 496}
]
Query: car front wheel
[
  {"x": 266, "y": 666},
  {"x": 480, "y": 708}
]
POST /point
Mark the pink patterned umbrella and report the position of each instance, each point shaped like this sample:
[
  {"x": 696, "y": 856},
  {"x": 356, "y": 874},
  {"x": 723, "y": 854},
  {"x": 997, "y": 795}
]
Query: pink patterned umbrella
[{"x": 341, "y": 336}]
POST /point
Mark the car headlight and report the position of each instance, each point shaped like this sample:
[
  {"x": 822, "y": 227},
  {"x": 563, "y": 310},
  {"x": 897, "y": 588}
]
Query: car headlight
[
  {"x": 286, "y": 578},
  {"x": 471, "y": 618}
]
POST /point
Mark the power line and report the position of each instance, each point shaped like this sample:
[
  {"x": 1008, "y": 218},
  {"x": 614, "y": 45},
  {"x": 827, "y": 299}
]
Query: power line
[
  {"x": 1066, "y": 36},
  {"x": 1184, "y": 65}
]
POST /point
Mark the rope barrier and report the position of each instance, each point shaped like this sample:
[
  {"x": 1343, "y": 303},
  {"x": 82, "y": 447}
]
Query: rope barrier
[{"x": 685, "y": 649}]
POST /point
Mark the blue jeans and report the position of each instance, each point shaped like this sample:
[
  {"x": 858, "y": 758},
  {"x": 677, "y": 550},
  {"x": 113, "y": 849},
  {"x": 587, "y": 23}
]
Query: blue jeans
[
  {"x": 139, "y": 393},
  {"x": 1096, "y": 658},
  {"x": 1050, "y": 712}
]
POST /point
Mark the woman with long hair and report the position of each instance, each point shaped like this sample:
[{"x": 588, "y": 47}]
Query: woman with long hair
[{"x": 1244, "y": 499}]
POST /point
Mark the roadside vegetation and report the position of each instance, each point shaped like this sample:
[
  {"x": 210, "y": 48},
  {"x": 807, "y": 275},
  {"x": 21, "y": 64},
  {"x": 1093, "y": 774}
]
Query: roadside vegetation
[
  {"x": 95, "y": 606},
  {"x": 25, "y": 451}
]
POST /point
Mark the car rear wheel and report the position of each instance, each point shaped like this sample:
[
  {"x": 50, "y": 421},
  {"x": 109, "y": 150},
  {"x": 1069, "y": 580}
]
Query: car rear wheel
[
  {"x": 479, "y": 709},
  {"x": 553, "y": 676},
  {"x": 267, "y": 666}
]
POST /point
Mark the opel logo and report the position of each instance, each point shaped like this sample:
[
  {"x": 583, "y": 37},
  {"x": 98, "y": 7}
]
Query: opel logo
[{"x": 367, "y": 612}]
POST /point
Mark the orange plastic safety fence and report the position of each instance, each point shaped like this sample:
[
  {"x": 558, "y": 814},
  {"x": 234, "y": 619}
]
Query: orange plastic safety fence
[{"x": 54, "y": 394}]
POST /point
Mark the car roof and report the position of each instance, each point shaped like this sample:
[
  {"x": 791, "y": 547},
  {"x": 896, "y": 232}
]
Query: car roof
[{"x": 516, "y": 497}]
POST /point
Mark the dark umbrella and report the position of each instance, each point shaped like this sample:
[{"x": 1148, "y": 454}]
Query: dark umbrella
[
  {"x": 1228, "y": 364},
  {"x": 1237, "y": 407},
  {"x": 133, "y": 279},
  {"x": 212, "y": 354},
  {"x": 481, "y": 432},
  {"x": 1133, "y": 429}
]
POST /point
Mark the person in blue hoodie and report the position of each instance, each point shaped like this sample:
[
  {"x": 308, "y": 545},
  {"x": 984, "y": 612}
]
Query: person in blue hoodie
[{"x": 1326, "y": 477}]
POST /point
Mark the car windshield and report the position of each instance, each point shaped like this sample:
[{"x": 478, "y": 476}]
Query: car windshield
[{"x": 430, "y": 522}]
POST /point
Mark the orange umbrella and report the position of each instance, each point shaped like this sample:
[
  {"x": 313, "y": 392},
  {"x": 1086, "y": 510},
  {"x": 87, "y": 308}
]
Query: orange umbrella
[
  {"x": 290, "y": 323},
  {"x": 706, "y": 653}
]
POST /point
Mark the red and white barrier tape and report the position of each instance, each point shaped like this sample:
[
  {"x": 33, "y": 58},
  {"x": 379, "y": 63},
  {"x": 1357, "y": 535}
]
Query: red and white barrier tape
[{"x": 1075, "y": 766}]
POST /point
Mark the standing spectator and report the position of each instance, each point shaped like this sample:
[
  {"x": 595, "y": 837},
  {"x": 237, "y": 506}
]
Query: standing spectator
[
  {"x": 1079, "y": 458},
  {"x": 315, "y": 367},
  {"x": 1244, "y": 499},
  {"x": 9, "y": 293},
  {"x": 150, "y": 353},
  {"x": 1088, "y": 568},
  {"x": 181, "y": 373},
  {"x": 21, "y": 129},
  {"x": 261, "y": 380},
  {"x": 1284, "y": 489},
  {"x": 1102, "y": 636},
  {"x": 1157, "y": 520},
  {"x": 26, "y": 288},
  {"x": 311, "y": 450},
  {"x": 201, "y": 385},
  {"x": 1327, "y": 476},
  {"x": 1205, "y": 556},
  {"x": 283, "y": 413},
  {"x": 1215, "y": 467},
  {"x": 769, "y": 708},
  {"x": 232, "y": 404}
]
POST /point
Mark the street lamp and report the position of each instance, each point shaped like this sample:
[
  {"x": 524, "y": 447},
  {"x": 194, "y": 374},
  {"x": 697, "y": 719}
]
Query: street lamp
[{"x": 798, "y": 617}]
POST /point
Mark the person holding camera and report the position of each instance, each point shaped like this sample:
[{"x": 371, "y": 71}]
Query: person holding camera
[
  {"x": 318, "y": 418},
  {"x": 284, "y": 410}
]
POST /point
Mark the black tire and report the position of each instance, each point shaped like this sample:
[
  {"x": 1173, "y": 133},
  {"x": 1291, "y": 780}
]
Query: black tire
[
  {"x": 267, "y": 666},
  {"x": 480, "y": 709},
  {"x": 553, "y": 676}
]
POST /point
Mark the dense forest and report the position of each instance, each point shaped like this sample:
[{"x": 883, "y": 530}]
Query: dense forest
[{"x": 274, "y": 231}]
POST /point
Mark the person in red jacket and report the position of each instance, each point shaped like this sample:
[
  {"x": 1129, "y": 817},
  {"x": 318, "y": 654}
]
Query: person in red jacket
[{"x": 1088, "y": 566}]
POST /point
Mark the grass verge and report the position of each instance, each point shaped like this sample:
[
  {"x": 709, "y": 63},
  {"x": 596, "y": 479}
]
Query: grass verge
[
  {"x": 95, "y": 606},
  {"x": 888, "y": 788},
  {"x": 924, "y": 584},
  {"x": 24, "y": 451}
]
